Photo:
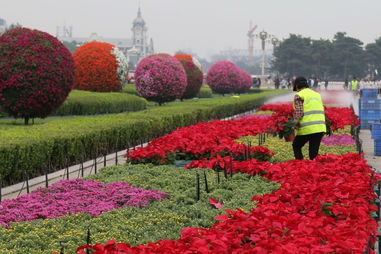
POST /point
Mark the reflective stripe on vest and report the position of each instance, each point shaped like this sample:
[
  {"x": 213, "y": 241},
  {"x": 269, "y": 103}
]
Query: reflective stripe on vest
[
  {"x": 313, "y": 112},
  {"x": 313, "y": 120},
  {"x": 311, "y": 123}
]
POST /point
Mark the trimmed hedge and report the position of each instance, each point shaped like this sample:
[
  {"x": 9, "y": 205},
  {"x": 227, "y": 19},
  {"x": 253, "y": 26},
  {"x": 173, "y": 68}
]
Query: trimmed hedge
[
  {"x": 160, "y": 220},
  {"x": 92, "y": 103},
  {"x": 54, "y": 143}
]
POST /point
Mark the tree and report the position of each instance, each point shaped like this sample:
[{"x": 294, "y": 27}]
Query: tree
[
  {"x": 321, "y": 51},
  {"x": 348, "y": 57},
  {"x": 293, "y": 56},
  {"x": 373, "y": 58},
  {"x": 71, "y": 45}
]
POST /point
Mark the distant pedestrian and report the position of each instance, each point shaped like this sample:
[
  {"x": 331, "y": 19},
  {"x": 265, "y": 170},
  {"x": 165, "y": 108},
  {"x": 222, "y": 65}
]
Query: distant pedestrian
[
  {"x": 326, "y": 84},
  {"x": 346, "y": 83},
  {"x": 354, "y": 85},
  {"x": 276, "y": 83}
]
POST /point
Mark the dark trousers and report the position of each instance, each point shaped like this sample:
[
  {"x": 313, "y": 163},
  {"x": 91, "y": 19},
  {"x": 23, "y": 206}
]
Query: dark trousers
[{"x": 300, "y": 141}]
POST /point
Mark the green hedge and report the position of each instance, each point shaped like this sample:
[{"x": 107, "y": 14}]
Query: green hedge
[
  {"x": 92, "y": 103},
  {"x": 130, "y": 88},
  {"x": 160, "y": 220},
  {"x": 53, "y": 143}
]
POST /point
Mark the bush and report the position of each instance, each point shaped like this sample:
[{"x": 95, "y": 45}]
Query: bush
[
  {"x": 160, "y": 78},
  {"x": 223, "y": 77},
  {"x": 194, "y": 76},
  {"x": 99, "y": 67},
  {"x": 205, "y": 92},
  {"x": 36, "y": 73},
  {"x": 160, "y": 220},
  {"x": 62, "y": 141},
  {"x": 92, "y": 103},
  {"x": 244, "y": 83}
]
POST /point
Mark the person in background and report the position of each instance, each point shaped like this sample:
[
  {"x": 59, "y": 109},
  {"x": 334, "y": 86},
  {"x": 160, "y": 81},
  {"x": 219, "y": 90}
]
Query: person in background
[
  {"x": 288, "y": 83},
  {"x": 326, "y": 84},
  {"x": 259, "y": 82},
  {"x": 276, "y": 83},
  {"x": 354, "y": 85},
  {"x": 310, "y": 118},
  {"x": 346, "y": 83},
  {"x": 283, "y": 83}
]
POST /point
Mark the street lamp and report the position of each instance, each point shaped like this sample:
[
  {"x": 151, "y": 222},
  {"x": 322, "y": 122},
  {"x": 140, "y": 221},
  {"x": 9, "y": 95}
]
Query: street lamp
[{"x": 263, "y": 36}]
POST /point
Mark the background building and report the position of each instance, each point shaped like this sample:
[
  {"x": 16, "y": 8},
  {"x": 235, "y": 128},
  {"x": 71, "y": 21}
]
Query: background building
[
  {"x": 134, "y": 48},
  {"x": 3, "y": 25}
]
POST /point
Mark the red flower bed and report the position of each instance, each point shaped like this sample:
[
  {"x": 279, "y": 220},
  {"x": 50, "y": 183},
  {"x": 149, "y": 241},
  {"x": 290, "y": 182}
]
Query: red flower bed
[
  {"x": 322, "y": 206},
  {"x": 337, "y": 117},
  {"x": 204, "y": 140}
]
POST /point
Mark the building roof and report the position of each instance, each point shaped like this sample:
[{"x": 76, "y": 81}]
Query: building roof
[
  {"x": 119, "y": 42},
  {"x": 2, "y": 22},
  {"x": 139, "y": 20}
]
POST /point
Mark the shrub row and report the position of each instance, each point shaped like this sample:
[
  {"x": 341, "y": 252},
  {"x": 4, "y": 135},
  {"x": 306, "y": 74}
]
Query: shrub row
[
  {"x": 160, "y": 220},
  {"x": 55, "y": 143},
  {"x": 93, "y": 103}
]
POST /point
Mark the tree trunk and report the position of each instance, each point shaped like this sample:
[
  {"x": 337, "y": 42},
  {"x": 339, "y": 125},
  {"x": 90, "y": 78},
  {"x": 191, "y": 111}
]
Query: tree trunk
[{"x": 26, "y": 120}]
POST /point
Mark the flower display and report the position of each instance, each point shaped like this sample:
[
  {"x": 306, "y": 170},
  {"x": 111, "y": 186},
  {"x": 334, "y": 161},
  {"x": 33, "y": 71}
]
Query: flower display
[
  {"x": 223, "y": 77},
  {"x": 160, "y": 78},
  {"x": 245, "y": 82},
  {"x": 194, "y": 75},
  {"x": 322, "y": 206},
  {"x": 204, "y": 140},
  {"x": 75, "y": 196},
  {"x": 36, "y": 73},
  {"x": 338, "y": 140},
  {"x": 99, "y": 67},
  {"x": 337, "y": 117}
]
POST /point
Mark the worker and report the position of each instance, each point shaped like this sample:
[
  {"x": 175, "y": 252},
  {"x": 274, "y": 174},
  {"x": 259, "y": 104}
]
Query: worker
[
  {"x": 354, "y": 85},
  {"x": 310, "y": 118}
]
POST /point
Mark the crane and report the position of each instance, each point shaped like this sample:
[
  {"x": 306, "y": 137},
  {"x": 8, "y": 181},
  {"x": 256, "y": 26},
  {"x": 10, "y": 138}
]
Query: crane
[{"x": 250, "y": 34}]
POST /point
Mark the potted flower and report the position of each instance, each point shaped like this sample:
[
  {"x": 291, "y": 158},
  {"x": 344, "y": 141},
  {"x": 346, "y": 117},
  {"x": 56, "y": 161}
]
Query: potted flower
[{"x": 286, "y": 130}]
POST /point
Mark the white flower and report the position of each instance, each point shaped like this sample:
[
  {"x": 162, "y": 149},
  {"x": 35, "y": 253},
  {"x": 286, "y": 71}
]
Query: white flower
[{"x": 122, "y": 64}]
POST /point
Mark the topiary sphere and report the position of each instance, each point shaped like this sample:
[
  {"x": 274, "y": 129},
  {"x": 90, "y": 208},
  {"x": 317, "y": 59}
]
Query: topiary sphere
[
  {"x": 223, "y": 77},
  {"x": 99, "y": 67},
  {"x": 160, "y": 78},
  {"x": 245, "y": 82},
  {"x": 194, "y": 75},
  {"x": 36, "y": 73}
]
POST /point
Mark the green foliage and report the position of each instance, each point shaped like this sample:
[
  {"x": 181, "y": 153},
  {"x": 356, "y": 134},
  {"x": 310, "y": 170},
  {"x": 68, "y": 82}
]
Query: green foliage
[
  {"x": 62, "y": 141},
  {"x": 339, "y": 58},
  {"x": 92, "y": 103},
  {"x": 160, "y": 220},
  {"x": 205, "y": 92},
  {"x": 129, "y": 88}
]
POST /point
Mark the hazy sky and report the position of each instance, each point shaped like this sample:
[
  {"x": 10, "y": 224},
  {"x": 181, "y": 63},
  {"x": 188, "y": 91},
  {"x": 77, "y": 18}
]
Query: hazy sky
[{"x": 205, "y": 26}]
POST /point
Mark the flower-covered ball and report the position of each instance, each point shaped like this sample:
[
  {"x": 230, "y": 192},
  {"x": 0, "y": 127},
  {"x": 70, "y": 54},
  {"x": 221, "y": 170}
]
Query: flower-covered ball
[
  {"x": 223, "y": 77},
  {"x": 160, "y": 78},
  {"x": 194, "y": 75},
  {"x": 245, "y": 82},
  {"x": 99, "y": 67},
  {"x": 36, "y": 73}
]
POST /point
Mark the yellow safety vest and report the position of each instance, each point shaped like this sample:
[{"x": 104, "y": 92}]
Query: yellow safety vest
[
  {"x": 354, "y": 84},
  {"x": 313, "y": 120}
]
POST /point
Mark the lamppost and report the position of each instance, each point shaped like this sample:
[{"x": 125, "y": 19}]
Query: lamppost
[{"x": 263, "y": 36}]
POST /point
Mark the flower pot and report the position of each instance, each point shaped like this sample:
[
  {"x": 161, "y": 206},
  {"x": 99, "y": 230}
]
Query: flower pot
[{"x": 290, "y": 137}]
